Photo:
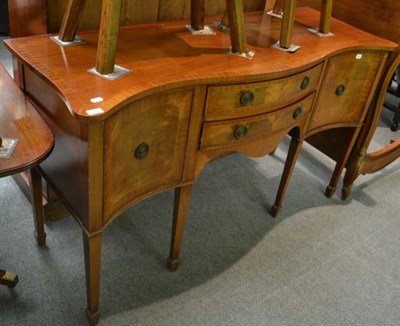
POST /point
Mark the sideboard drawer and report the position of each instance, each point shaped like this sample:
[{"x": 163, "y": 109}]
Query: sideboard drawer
[
  {"x": 235, "y": 101},
  {"x": 145, "y": 145},
  {"x": 222, "y": 133}
]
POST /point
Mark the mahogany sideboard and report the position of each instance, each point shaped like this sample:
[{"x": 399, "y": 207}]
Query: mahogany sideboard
[{"x": 185, "y": 102}]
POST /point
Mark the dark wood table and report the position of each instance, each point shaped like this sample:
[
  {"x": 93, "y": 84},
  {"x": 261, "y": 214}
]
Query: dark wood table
[{"x": 20, "y": 120}]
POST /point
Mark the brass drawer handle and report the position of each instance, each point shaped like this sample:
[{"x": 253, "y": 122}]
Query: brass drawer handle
[
  {"x": 297, "y": 113},
  {"x": 340, "y": 90},
  {"x": 141, "y": 151},
  {"x": 240, "y": 132},
  {"x": 305, "y": 83},
  {"x": 247, "y": 98}
]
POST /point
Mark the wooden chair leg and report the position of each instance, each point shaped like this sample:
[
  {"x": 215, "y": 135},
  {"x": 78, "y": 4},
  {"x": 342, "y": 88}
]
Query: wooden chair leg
[
  {"x": 278, "y": 7},
  {"x": 224, "y": 23},
  {"x": 71, "y": 20},
  {"x": 108, "y": 36},
  {"x": 197, "y": 14},
  {"x": 182, "y": 200},
  {"x": 35, "y": 181},
  {"x": 237, "y": 29},
  {"x": 293, "y": 153},
  {"x": 92, "y": 251},
  {"x": 287, "y": 24},
  {"x": 326, "y": 14}
]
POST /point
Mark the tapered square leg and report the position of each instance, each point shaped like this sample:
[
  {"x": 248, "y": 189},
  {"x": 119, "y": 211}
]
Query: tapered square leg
[
  {"x": 291, "y": 159},
  {"x": 182, "y": 200},
  {"x": 92, "y": 250}
]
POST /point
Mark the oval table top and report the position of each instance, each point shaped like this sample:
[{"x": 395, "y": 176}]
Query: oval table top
[{"x": 20, "y": 120}]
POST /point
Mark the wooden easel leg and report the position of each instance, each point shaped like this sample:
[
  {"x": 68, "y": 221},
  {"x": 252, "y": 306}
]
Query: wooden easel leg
[
  {"x": 35, "y": 181},
  {"x": 71, "y": 20},
  {"x": 92, "y": 250},
  {"x": 182, "y": 200},
  {"x": 287, "y": 24},
  {"x": 235, "y": 12},
  {"x": 326, "y": 14},
  {"x": 293, "y": 153},
  {"x": 197, "y": 14},
  {"x": 108, "y": 36}
]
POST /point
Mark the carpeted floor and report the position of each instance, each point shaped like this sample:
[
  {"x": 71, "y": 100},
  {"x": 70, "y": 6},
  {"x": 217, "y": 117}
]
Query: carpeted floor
[{"x": 322, "y": 262}]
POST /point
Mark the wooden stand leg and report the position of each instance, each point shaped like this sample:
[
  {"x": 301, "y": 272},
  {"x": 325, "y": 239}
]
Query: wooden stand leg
[
  {"x": 235, "y": 12},
  {"x": 108, "y": 36},
  {"x": 326, "y": 14},
  {"x": 8, "y": 279},
  {"x": 287, "y": 23},
  {"x": 71, "y": 20},
  {"x": 35, "y": 181},
  {"x": 197, "y": 14},
  {"x": 92, "y": 250},
  {"x": 294, "y": 151},
  {"x": 182, "y": 199}
]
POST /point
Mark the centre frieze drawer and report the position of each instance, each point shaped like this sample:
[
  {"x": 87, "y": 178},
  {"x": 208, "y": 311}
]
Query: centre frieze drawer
[
  {"x": 242, "y": 100},
  {"x": 223, "y": 133}
]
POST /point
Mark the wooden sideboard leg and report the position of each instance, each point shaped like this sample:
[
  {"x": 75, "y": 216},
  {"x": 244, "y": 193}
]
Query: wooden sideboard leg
[
  {"x": 294, "y": 151},
  {"x": 182, "y": 200},
  {"x": 326, "y": 14},
  {"x": 35, "y": 181},
  {"x": 108, "y": 36},
  {"x": 287, "y": 24},
  {"x": 71, "y": 20},
  {"x": 237, "y": 28},
  {"x": 331, "y": 188},
  {"x": 197, "y": 14},
  {"x": 92, "y": 250}
]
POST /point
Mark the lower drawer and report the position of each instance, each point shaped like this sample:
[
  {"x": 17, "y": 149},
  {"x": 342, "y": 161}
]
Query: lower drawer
[{"x": 222, "y": 133}]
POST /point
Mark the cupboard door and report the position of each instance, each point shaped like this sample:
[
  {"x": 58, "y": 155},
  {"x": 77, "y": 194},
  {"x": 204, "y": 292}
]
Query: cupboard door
[
  {"x": 347, "y": 85},
  {"x": 145, "y": 146}
]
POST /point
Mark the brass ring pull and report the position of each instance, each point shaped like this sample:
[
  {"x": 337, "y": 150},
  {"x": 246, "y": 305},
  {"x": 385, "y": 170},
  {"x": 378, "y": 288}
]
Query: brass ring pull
[
  {"x": 305, "y": 83},
  {"x": 141, "y": 151},
  {"x": 247, "y": 98},
  {"x": 340, "y": 90},
  {"x": 297, "y": 113},
  {"x": 240, "y": 132}
]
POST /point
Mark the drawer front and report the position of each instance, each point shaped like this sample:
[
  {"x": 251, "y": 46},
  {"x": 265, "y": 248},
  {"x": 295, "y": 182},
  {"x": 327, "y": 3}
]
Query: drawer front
[
  {"x": 346, "y": 87},
  {"x": 145, "y": 146},
  {"x": 223, "y": 133},
  {"x": 235, "y": 101}
]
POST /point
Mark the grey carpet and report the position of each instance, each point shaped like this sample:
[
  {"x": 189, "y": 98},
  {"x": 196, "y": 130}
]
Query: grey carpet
[{"x": 322, "y": 262}]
